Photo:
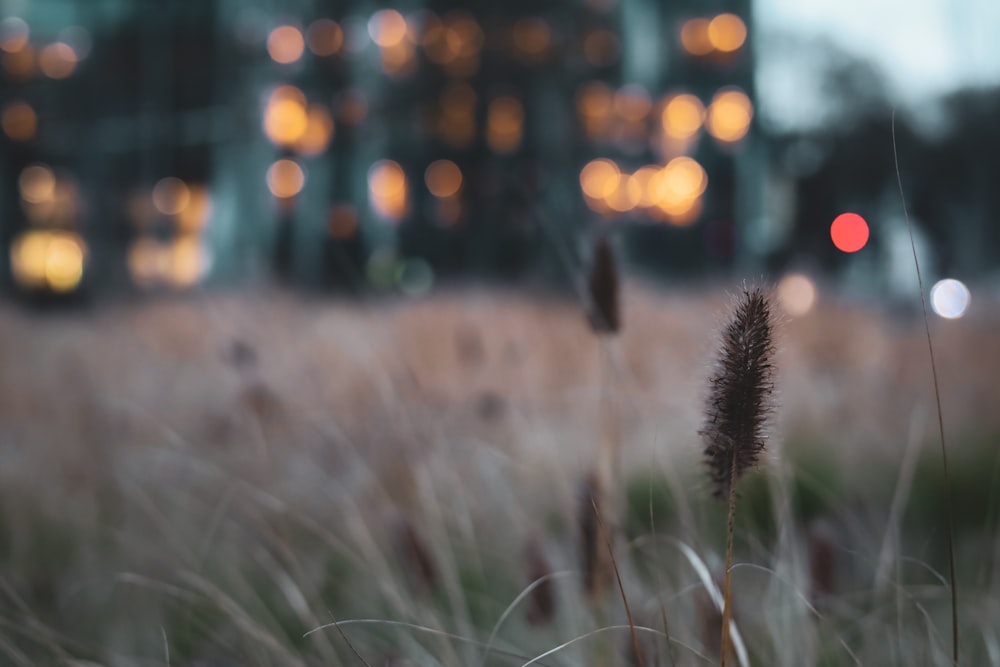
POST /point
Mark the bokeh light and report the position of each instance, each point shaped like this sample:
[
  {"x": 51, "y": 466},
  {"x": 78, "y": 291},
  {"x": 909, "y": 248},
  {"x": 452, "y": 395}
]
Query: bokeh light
[
  {"x": 950, "y": 298},
  {"x": 324, "y": 37},
  {"x": 387, "y": 189},
  {"x": 599, "y": 178},
  {"x": 57, "y": 60},
  {"x": 285, "y": 44},
  {"x": 19, "y": 65},
  {"x": 285, "y": 178},
  {"x": 849, "y": 232},
  {"x": 796, "y": 294},
  {"x": 37, "y": 184},
  {"x": 727, "y": 32},
  {"x": 19, "y": 121},
  {"x": 14, "y": 34},
  {"x": 694, "y": 37},
  {"x": 171, "y": 195},
  {"x": 285, "y": 118},
  {"x": 443, "y": 178},
  {"x": 318, "y": 131},
  {"x": 48, "y": 259},
  {"x": 504, "y": 124},
  {"x": 729, "y": 115},
  {"x": 387, "y": 28},
  {"x": 415, "y": 277},
  {"x": 193, "y": 216},
  {"x": 682, "y": 116}
]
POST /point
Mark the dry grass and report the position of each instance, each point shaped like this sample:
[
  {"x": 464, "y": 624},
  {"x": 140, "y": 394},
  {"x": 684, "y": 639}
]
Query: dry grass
[{"x": 152, "y": 487}]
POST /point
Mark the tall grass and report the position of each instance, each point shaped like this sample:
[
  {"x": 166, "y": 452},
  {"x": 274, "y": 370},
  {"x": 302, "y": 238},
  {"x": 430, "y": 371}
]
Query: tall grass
[{"x": 157, "y": 494}]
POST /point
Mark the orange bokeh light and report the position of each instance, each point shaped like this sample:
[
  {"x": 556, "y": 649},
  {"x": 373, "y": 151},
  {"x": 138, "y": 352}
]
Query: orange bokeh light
[
  {"x": 325, "y": 37},
  {"x": 849, "y": 232},
  {"x": 19, "y": 121},
  {"x": 387, "y": 189},
  {"x": 285, "y": 178},
  {"x": 695, "y": 38},
  {"x": 443, "y": 178},
  {"x": 599, "y": 178},
  {"x": 729, "y": 115},
  {"x": 57, "y": 60},
  {"x": 285, "y": 44},
  {"x": 727, "y": 32},
  {"x": 682, "y": 116},
  {"x": 504, "y": 124}
]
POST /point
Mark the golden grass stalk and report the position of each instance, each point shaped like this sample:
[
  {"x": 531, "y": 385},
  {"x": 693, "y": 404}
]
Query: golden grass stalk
[{"x": 739, "y": 403}]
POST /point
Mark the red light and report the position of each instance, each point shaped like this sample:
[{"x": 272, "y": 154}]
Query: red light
[{"x": 849, "y": 232}]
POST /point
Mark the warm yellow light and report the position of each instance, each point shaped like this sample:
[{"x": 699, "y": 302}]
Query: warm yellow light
[
  {"x": 285, "y": 117},
  {"x": 682, "y": 116},
  {"x": 727, "y": 32},
  {"x": 599, "y": 178},
  {"x": 532, "y": 38},
  {"x": 285, "y": 179},
  {"x": 318, "y": 131},
  {"x": 285, "y": 44},
  {"x": 622, "y": 198},
  {"x": 443, "y": 178},
  {"x": 638, "y": 185},
  {"x": 325, "y": 37},
  {"x": 64, "y": 262},
  {"x": 387, "y": 28},
  {"x": 48, "y": 259},
  {"x": 632, "y": 102},
  {"x": 504, "y": 124},
  {"x": 14, "y": 34},
  {"x": 189, "y": 262},
  {"x": 729, "y": 115},
  {"x": 28, "y": 255},
  {"x": 677, "y": 188},
  {"x": 57, "y": 60},
  {"x": 19, "y": 121},
  {"x": 387, "y": 189},
  {"x": 694, "y": 37},
  {"x": 37, "y": 184},
  {"x": 193, "y": 217},
  {"x": 171, "y": 195}
]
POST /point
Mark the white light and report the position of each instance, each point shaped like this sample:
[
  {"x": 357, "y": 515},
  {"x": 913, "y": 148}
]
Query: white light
[
  {"x": 796, "y": 294},
  {"x": 950, "y": 298}
]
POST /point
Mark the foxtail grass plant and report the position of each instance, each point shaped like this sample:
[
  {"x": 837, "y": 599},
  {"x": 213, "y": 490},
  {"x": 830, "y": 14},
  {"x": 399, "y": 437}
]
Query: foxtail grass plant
[{"x": 736, "y": 416}]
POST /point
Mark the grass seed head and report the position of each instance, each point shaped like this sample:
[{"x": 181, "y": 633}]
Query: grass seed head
[{"x": 740, "y": 393}]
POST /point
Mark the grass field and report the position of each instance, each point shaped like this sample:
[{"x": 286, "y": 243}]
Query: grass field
[{"x": 204, "y": 481}]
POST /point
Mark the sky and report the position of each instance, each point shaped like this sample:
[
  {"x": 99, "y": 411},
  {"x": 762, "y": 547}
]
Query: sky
[{"x": 924, "y": 47}]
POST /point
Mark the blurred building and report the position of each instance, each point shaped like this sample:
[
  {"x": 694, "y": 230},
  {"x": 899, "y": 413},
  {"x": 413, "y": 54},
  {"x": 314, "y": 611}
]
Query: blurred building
[{"x": 158, "y": 146}]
